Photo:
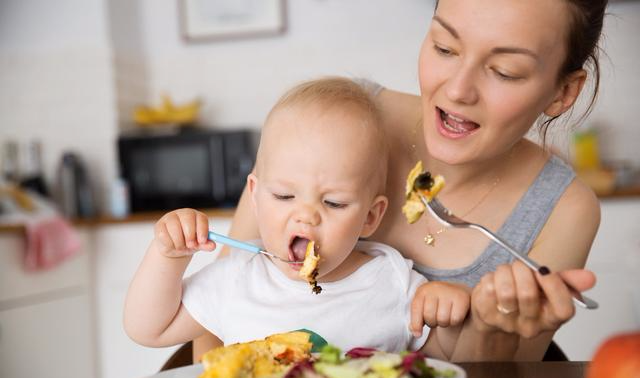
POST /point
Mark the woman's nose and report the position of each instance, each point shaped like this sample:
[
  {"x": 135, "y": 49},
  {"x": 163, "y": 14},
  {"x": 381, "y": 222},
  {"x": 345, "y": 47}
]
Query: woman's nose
[
  {"x": 307, "y": 214},
  {"x": 461, "y": 86}
]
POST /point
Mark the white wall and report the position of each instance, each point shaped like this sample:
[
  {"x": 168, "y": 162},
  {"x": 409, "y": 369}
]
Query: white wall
[
  {"x": 619, "y": 104},
  {"x": 56, "y": 81},
  {"x": 239, "y": 80},
  {"x": 71, "y": 71}
]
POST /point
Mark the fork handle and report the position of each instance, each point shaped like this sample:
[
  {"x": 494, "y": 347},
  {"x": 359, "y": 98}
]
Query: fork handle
[
  {"x": 578, "y": 298},
  {"x": 233, "y": 242}
]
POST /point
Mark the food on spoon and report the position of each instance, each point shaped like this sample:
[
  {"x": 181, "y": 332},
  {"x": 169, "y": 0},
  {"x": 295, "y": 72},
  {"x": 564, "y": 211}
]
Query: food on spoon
[
  {"x": 309, "y": 270},
  {"x": 419, "y": 182},
  {"x": 261, "y": 358}
]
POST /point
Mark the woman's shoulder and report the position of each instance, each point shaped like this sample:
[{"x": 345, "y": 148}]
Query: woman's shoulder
[{"x": 572, "y": 225}]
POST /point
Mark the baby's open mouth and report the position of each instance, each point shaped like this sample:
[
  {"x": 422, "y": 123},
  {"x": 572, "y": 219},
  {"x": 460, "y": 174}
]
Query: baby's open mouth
[{"x": 298, "y": 248}]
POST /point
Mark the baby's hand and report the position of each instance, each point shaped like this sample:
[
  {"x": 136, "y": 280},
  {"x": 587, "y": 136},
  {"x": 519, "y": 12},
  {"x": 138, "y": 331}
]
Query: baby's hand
[
  {"x": 439, "y": 304},
  {"x": 182, "y": 232}
]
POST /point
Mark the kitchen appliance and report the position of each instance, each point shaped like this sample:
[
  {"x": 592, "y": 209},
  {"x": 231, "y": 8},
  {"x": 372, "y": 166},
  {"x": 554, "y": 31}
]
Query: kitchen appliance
[
  {"x": 75, "y": 195},
  {"x": 190, "y": 167}
]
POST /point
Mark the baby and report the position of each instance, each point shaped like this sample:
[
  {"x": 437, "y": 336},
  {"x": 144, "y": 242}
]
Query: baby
[{"x": 320, "y": 176}]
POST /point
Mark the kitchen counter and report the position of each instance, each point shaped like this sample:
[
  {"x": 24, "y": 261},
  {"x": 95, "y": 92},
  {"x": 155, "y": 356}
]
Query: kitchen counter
[
  {"x": 132, "y": 218},
  {"x": 624, "y": 193}
]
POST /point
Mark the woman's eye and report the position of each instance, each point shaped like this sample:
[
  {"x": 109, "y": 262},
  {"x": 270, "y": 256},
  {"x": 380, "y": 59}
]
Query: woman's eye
[
  {"x": 335, "y": 205},
  {"x": 504, "y": 76},
  {"x": 282, "y": 197},
  {"x": 442, "y": 50}
]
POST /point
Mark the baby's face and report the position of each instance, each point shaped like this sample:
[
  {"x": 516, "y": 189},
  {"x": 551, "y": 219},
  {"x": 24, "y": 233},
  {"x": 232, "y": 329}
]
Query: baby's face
[{"x": 313, "y": 183}]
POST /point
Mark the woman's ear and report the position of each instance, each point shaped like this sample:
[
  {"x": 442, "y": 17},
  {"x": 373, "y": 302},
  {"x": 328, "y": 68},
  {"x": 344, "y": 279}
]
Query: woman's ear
[
  {"x": 374, "y": 216},
  {"x": 567, "y": 93}
]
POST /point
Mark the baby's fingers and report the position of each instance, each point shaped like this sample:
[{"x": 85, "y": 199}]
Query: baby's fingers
[
  {"x": 202, "y": 233},
  {"x": 188, "y": 223},
  {"x": 417, "y": 320},
  {"x": 176, "y": 233}
]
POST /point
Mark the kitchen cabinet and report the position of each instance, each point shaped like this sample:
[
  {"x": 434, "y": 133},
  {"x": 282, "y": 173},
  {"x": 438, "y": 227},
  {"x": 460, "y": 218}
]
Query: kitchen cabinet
[
  {"x": 117, "y": 251},
  {"x": 615, "y": 258},
  {"x": 46, "y": 327}
]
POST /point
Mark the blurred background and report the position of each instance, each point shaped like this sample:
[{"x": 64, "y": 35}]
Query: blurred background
[{"x": 112, "y": 111}]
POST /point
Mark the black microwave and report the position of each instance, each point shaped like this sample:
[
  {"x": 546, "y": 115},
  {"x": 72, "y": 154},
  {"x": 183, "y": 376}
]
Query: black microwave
[{"x": 189, "y": 168}]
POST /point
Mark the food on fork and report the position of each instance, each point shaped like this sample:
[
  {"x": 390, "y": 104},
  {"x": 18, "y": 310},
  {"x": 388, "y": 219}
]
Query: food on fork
[
  {"x": 259, "y": 358},
  {"x": 419, "y": 182},
  {"x": 309, "y": 270}
]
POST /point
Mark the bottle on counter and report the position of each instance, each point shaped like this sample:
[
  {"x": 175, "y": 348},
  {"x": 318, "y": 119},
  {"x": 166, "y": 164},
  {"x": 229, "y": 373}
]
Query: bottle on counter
[
  {"x": 33, "y": 172},
  {"x": 119, "y": 198}
]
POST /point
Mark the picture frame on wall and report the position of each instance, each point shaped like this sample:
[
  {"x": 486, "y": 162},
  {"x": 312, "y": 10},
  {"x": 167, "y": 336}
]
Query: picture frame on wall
[{"x": 211, "y": 20}]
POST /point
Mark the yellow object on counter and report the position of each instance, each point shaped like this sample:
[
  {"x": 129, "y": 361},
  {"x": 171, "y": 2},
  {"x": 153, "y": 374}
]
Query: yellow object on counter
[
  {"x": 586, "y": 154},
  {"x": 166, "y": 113}
]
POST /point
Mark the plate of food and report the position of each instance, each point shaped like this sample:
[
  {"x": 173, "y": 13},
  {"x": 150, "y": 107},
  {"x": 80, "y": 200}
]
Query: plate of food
[{"x": 293, "y": 355}]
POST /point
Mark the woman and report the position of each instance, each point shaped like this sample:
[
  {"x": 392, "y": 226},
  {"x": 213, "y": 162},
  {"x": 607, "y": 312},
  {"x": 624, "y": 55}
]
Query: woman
[{"x": 488, "y": 71}]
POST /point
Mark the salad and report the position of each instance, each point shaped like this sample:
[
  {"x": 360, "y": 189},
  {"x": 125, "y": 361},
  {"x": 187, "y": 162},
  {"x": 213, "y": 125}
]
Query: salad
[{"x": 366, "y": 363}]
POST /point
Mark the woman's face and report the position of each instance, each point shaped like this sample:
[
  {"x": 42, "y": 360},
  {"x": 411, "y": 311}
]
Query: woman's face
[{"x": 487, "y": 70}]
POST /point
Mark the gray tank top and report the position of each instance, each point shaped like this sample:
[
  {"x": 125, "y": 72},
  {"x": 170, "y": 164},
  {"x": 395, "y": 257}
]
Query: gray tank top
[{"x": 519, "y": 230}]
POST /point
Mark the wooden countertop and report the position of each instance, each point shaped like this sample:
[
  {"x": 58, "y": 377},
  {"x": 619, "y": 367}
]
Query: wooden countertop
[
  {"x": 624, "y": 193},
  {"x": 565, "y": 369},
  {"x": 132, "y": 218}
]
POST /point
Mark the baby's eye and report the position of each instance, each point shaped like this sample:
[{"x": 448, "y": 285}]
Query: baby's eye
[
  {"x": 335, "y": 205},
  {"x": 282, "y": 197}
]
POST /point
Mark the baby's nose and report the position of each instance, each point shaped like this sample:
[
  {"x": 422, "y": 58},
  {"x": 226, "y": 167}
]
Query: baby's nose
[{"x": 307, "y": 215}]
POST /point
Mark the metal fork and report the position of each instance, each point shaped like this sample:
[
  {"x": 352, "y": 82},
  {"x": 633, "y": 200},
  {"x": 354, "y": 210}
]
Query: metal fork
[
  {"x": 246, "y": 246},
  {"x": 446, "y": 217}
]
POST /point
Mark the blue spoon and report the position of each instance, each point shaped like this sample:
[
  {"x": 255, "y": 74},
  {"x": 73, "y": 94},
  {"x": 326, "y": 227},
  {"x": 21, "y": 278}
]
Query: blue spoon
[{"x": 245, "y": 246}]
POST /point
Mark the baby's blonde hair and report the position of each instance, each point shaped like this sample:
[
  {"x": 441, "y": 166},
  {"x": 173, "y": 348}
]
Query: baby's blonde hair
[{"x": 338, "y": 93}]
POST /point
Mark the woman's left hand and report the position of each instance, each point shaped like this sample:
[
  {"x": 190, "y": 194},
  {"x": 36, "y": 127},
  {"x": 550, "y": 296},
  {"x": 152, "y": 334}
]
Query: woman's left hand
[{"x": 514, "y": 299}]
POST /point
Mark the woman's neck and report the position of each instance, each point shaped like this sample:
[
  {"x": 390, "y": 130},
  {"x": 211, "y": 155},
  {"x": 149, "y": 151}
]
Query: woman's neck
[{"x": 470, "y": 176}]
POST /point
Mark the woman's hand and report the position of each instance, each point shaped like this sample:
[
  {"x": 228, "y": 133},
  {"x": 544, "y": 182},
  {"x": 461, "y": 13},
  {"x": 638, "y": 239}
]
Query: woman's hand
[
  {"x": 515, "y": 299},
  {"x": 181, "y": 233}
]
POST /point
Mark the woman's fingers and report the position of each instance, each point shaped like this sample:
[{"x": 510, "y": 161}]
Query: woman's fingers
[
  {"x": 505, "y": 286},
  {"x": 558, "y": 299},
  {"x": 579, "y": 279},
  {"x": 527, "y": 289}
]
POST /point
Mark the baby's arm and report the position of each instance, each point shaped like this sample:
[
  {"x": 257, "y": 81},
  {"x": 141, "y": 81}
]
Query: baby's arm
[
  {"x": 443, "y": 306},
  {"x": 455, "y": 333},
  {"x": 154, "y": 315},
  {"x": 439, "y": 304}
]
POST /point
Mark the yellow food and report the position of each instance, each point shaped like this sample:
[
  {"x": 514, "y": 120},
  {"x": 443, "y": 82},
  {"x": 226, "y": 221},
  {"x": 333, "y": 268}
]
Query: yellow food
[
  {"x": 413, "y": 207},
  {"x": 309, "y": 270},
  {"x": 256, "y": 359},
  {"x": 168, "y": 112}
]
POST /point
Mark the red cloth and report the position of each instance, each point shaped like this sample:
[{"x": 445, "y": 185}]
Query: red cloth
[{"x": 50, "y": 241}]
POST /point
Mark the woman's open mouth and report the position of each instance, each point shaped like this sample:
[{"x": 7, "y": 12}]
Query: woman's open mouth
[{"x": 454, "y": 126}]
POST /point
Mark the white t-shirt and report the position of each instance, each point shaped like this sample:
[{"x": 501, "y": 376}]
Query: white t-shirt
[{"x": 245, "y": 297}]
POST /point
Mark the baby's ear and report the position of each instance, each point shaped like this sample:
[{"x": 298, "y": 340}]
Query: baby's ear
[
  {"x": 252, "y": 183},
  {"x": 374, "y": 216}
]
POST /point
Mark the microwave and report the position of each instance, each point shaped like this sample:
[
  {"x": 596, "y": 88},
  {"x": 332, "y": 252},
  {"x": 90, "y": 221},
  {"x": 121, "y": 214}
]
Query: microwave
[{"x": 191, "y": 167}]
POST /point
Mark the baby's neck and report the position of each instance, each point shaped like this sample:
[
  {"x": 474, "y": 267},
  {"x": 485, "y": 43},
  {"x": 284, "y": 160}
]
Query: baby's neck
[{"x": 353, "y": 262}]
